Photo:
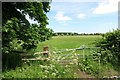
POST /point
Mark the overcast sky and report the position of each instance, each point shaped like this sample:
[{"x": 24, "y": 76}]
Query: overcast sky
[{"x": 83, "y": 17}]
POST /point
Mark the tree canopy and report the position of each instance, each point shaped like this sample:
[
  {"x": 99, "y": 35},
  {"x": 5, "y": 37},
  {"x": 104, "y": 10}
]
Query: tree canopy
[
  {"x": 17, "y": 32},
  {"x": 35, "y": 10}
]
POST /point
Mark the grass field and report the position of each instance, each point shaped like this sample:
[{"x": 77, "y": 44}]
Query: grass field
[{"x": 68, "y": 42}]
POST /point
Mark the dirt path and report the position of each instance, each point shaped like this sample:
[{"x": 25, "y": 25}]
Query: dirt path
[
  {"x": 79, "y": 73},
  {"x": 82, "y": 74}
]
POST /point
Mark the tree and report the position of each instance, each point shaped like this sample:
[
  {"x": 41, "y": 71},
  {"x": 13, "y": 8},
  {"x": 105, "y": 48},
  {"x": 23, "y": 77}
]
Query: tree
[
  {"x": 18, "y": 34},
  {"x": 35, "y": 10},
  {"x": 16, "y": 26}
]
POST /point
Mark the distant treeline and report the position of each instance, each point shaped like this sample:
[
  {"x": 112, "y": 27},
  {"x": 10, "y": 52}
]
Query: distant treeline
[{"x": 73, "y": 34}]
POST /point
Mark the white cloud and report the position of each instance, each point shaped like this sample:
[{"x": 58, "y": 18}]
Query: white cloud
[
  {"x": 61, "y": 17},
  {"x": 81, "y": 16},
  {"x": 106, "y": 6}
]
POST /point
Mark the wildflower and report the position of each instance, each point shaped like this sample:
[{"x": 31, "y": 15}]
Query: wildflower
[
  {"x": 63, "y": 72},
  {"x": 41, "y": 66},
  {"x": 54, "y": 52},
  {"x": 67, "y": 49},
  {"x": 74, "y": 59},
  {"x": 47, "y": 58},
  {"x": 46, "y": 71},
  {"x": 66, "y": 65},
  {"x": 56, "y": 71},
  {"x": 58, "y": 60},
  {"x": 53, "y": 74},
  {"x": 75, "y": 54},
  {"x": 63, "y": 58},
  {"x": 53, "y": 59},
  {"x": 71, "y": 63},
  {"x": 45, "y": 76}
]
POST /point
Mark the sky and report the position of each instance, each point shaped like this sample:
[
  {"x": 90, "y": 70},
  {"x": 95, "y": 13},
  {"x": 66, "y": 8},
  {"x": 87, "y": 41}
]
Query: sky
[{"x": 83, "y": 17}]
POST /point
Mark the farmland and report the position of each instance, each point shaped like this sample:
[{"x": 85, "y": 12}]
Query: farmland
[
  {"x": 69, "y": 42},
  {"x": 64, "y": 66}
]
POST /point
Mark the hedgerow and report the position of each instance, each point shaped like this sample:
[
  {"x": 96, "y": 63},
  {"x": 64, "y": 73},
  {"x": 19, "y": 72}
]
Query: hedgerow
[{"x": 110, "y": 47}]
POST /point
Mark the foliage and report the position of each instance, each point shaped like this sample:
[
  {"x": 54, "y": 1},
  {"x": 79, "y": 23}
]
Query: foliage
[
  {"x": 73, "y": 34},
  {"x": 97, "y": 69},
  {"x": 40, "y": 69},
  {"x": 64, "y": 34},
  {"x": 17, "y": 33},
  {"x": 16, "y": 39},
  {"x": 35, "y": 10},
  {"x": 110, "y": 47},
  {"x": 16, "y": 27},
  {"x": 10, "y": 61},
  {"x": 90, "y": 66}
]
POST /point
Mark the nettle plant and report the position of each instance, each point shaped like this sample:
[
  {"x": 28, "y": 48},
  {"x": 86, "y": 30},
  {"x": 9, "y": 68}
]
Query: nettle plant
[{"x": 110, "y": 47}]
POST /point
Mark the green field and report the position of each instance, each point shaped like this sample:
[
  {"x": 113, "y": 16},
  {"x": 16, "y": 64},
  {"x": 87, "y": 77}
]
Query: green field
[{"x": 69, "y": 42}]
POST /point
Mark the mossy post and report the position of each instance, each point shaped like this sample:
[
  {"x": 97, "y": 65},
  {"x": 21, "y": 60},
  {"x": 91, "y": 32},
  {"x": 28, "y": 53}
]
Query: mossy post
[{"x": 46, "y": 51}]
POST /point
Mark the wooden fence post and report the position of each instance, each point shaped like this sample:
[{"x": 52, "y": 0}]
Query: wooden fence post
[{"x": 45, "y": 51}]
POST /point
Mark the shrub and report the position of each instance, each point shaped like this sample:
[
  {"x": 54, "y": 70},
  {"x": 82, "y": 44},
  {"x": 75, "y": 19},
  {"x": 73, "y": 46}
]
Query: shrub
[
  {"x": 110, "y": 47},
  {"x": 10, "y": 61},
  {"x": 90, "y": 65}
]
